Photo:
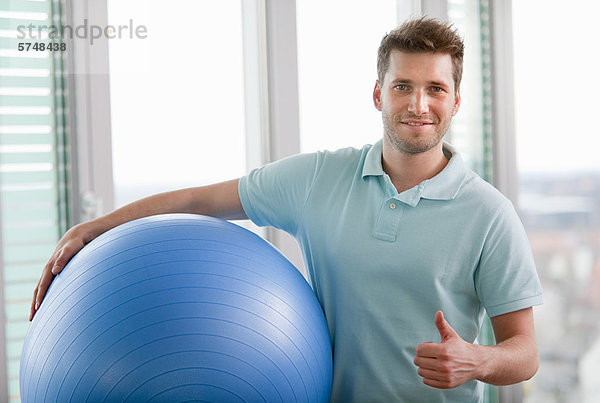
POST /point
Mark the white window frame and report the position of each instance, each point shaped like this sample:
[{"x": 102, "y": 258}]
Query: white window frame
[
  {"x": 503, "y": 100},
  {"x": 504, "y": 148},
  {"x": 93, "y": 187}
]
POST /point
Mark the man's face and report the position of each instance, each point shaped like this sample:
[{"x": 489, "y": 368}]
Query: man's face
[{"x": 417, "y": 100}]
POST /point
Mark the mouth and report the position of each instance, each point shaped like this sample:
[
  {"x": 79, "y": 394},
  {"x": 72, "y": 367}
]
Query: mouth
[
  {"x": 413, "y": 123},
  {"x": 416, "y": 123}
]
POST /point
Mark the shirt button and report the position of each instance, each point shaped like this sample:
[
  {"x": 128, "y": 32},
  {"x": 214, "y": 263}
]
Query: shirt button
[{"x": 392, "y": 205}]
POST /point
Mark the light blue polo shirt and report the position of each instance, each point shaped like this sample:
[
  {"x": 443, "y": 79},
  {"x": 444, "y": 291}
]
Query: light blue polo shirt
[{"x": 382, "y": 263}]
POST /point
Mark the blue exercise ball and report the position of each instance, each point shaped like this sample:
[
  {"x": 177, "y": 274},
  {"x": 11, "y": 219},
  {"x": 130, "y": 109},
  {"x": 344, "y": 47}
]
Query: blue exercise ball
[{"x": 178, "y": 307}]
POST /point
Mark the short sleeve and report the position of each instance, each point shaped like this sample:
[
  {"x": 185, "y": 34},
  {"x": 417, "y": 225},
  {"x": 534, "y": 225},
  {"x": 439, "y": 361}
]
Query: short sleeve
[
  {"x": 506, "y": 278},
  {"x": 276, "y": 193}
]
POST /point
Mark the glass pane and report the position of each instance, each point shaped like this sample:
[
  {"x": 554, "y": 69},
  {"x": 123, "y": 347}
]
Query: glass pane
[
  {"x": 337, "y": 70},
  {"x": 560, "y": 189},
  {"x": 176, "y": 95},
  {"x": 470, "y": 126}
]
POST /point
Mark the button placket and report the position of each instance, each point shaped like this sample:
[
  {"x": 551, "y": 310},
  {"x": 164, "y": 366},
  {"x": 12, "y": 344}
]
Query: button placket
[{"x": 386, "y": 227}]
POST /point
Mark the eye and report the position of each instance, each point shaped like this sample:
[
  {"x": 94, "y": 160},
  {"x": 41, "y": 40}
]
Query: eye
[
  {"x": 401, "y": 87},
  {"x": 437, "y": 89}
]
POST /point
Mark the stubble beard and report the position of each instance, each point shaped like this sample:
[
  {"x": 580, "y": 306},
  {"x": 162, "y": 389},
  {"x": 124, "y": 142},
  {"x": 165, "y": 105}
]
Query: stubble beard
[{"x": 412, "y": 146}]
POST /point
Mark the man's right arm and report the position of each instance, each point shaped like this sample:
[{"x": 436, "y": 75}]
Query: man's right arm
[{"x": 219, "y": 200}]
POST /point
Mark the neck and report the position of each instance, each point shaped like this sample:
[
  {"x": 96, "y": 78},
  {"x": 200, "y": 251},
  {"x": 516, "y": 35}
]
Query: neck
[{"x": 408, "y": 170}]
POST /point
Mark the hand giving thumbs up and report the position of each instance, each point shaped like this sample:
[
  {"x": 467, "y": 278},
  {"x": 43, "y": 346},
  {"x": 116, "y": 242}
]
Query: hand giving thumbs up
[{"x": 447, "y": 364}]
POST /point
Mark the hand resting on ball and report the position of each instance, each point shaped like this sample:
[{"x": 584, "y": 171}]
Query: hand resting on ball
[{"x": 220, "y": 200}]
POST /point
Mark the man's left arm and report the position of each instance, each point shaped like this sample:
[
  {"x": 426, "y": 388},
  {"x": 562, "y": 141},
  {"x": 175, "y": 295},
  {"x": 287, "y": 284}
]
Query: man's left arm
[{"x": 455, "y": 361}]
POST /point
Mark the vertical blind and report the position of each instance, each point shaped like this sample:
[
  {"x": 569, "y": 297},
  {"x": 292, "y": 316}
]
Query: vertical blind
[{"x": 33, "y": 166}]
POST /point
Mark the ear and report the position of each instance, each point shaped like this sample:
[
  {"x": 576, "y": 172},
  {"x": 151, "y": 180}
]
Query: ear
[
  {"x": 456, "y": 102},
  {"x": 377, "y": 95}
]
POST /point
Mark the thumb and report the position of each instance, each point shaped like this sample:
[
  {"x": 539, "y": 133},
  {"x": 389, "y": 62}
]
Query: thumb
[{"x": 446, "y": 331}]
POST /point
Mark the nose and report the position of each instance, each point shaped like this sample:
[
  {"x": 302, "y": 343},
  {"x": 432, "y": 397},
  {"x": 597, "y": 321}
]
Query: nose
[{"x": 418, "y": 103}]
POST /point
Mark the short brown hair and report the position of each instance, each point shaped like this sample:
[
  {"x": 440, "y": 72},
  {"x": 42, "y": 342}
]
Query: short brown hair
[{"x": 423, "y": 35}]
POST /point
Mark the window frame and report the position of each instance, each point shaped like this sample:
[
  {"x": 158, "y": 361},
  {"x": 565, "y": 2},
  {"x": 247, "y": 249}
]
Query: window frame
[
  {"x": 93, "y": 188},
  {"x": 272, "y": 126}
]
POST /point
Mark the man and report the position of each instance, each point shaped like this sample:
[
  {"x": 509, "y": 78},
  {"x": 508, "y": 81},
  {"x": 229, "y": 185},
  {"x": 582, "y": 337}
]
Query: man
[{"x": 393, "y": 235}]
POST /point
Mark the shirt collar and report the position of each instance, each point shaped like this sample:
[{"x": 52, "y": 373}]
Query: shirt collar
[
  {"x": 372, "y": 165},
  {"x": 443, "y": 186},
  {"x": 446, "y": 184}
]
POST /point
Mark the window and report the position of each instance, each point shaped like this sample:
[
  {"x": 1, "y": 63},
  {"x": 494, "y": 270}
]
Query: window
[
  {"x": 337, "y": 70},
  {"x": 559, "y": 196},
  {"x": 33, "y": 169},
  {"x": 471, "y": 127},
  {"x": 177, "y": 96}
]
